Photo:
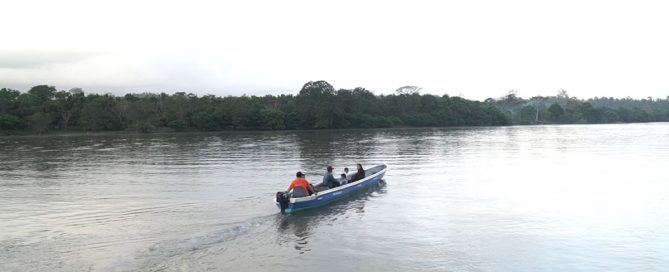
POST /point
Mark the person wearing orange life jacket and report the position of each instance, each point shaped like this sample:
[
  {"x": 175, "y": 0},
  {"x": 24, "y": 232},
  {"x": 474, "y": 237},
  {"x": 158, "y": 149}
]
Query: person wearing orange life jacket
[{"x": 302, "y": 182}]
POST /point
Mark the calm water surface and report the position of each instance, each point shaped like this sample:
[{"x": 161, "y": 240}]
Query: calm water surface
[{"x": 532, "y": 198}]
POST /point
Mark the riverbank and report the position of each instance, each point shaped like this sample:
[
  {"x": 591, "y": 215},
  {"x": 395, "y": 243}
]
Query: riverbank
[{"x": 28, "y": 133}]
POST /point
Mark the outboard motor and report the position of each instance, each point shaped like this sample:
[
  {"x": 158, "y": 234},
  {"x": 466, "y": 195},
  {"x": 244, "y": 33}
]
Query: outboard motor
[{"x": 283, "y": 198}]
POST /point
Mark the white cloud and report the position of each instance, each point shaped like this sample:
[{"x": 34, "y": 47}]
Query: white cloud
[
  {"x": 22, "y": 59},
  {"x": 476, "y": 48}
]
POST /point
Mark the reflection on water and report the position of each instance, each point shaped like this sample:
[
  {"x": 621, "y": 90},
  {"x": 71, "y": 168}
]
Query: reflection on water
[
  {"x": 531, "y": 198},
  {"x": 345, "y": 148}
]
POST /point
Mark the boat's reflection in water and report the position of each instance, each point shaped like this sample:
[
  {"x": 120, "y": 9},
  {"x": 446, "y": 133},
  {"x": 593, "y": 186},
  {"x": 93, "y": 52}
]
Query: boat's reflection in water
[{"x": 296, "y": 228}]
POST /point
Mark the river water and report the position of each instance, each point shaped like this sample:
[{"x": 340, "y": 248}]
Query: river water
[{"x": 523, "y": 198}]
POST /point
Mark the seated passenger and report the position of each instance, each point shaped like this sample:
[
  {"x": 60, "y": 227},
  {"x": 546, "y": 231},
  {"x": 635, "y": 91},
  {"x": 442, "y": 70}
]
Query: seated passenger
[
  {"x": 343, "y": 180},
  {"x": 358, "y": 175},
  {"x": 328, "y": 179},
  {"x": 346, "y": 171},
  {"x": 300, "y": 181}
]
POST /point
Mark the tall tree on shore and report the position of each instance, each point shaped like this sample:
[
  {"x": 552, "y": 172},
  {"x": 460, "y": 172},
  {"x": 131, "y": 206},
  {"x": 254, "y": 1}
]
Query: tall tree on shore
[
  {"x": 8, "y": 107},
  {"x": 315, "y": 107}
]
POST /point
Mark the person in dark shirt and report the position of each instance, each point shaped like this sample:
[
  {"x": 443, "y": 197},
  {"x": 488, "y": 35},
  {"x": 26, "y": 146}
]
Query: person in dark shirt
[
  {"x": 358, "y": 175},
  {"x": 329, "y": 180}
]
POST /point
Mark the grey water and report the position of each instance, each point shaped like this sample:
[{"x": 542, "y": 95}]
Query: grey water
[{"x": 522, "y": 198}]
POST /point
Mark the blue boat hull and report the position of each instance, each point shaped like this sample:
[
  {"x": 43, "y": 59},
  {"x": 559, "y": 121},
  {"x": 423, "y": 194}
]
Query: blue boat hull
[{"x": 331, "y": 195}]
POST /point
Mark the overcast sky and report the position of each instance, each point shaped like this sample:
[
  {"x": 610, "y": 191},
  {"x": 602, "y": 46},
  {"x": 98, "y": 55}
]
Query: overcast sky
[{"x": 476, "y": 49}]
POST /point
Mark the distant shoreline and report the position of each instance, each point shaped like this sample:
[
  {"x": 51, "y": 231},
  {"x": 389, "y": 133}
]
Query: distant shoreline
[
  {"x": 45, "y": 110},
  {"x": 73, "y": 133}
]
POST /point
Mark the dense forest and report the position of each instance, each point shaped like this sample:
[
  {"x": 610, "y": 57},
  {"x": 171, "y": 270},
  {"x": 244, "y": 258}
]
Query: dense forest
[
  {"x": 562, "y": 109},
  {"x": 317, "y": 106}
]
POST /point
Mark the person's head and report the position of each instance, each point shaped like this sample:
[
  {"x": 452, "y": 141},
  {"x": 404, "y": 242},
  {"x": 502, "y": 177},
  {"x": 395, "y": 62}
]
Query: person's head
[
  {"x": 359, "y": 166},
  {"x": 345, "y": 169},
  {"x": 299, "y": 174},
  {"x": 329, "y": 168},
  {"x": 343, "y": 176}
]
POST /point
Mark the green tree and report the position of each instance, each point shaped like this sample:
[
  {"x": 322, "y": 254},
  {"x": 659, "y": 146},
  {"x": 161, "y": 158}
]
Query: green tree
[
  {"x": 9, "y": 122},
  {"x": 590, "y": 114},
  {"x": 96, "y": 114},
  {"x": 8, "y": 110},
  {"x": 315, "y": 105},
  {"x": 176, "y": 111},
  {"x": 208, "y": 115},
  {"x": 43, "y": 93},
  {"x": 8, "y": 99},
  {"x": 63, "y": 108},
  {"x": 528, "y": 115},
  {"x": 272, "y": 119},
  {"x": 39, "y": 122},
  {"x": 556, "y": 112},
  {"x": 144, "y": 113}
]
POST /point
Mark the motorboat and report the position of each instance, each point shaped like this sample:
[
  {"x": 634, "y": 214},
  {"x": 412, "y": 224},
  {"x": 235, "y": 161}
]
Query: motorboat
[{"x": 289, "y": 203}]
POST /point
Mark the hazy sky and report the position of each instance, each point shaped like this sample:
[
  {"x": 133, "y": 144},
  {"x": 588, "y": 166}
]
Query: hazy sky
[{"x": 476, "y": 49}]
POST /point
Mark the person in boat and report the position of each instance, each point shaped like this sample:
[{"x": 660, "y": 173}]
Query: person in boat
[
  {"x": 343, "y": 180},
  {"x": 301, "y": 181},
  {"x": 358, "y": 175},
  {"x": 346, "y": 171},
  {"x": 328, "y": 179}
]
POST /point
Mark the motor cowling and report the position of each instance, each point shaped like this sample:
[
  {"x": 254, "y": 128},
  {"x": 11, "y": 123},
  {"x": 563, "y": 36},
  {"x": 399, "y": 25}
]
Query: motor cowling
[{"x": 283, "y": 198}]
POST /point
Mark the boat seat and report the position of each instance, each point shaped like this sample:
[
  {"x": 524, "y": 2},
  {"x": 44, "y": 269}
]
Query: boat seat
[
  {"x": 298, "y": 191},
  {"x": 321, "y": 187}
]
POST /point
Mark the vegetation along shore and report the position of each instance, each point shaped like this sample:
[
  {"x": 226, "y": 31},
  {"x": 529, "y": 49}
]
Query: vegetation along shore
[{"x": 317, "y": 106}]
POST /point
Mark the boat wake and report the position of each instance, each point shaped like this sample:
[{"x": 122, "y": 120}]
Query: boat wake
[
  {"x": 169, "y": 254},
  {"x": 219, "y": 247}
]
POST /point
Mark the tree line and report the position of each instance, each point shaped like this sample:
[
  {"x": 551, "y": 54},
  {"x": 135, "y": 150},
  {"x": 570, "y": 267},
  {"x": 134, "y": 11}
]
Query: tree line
[
  {"x": 563, "y": 109},
  {"x": 317, "y": 106}
]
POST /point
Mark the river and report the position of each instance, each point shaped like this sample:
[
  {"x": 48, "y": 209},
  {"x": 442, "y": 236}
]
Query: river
[{"x": 520, "y": 198}]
